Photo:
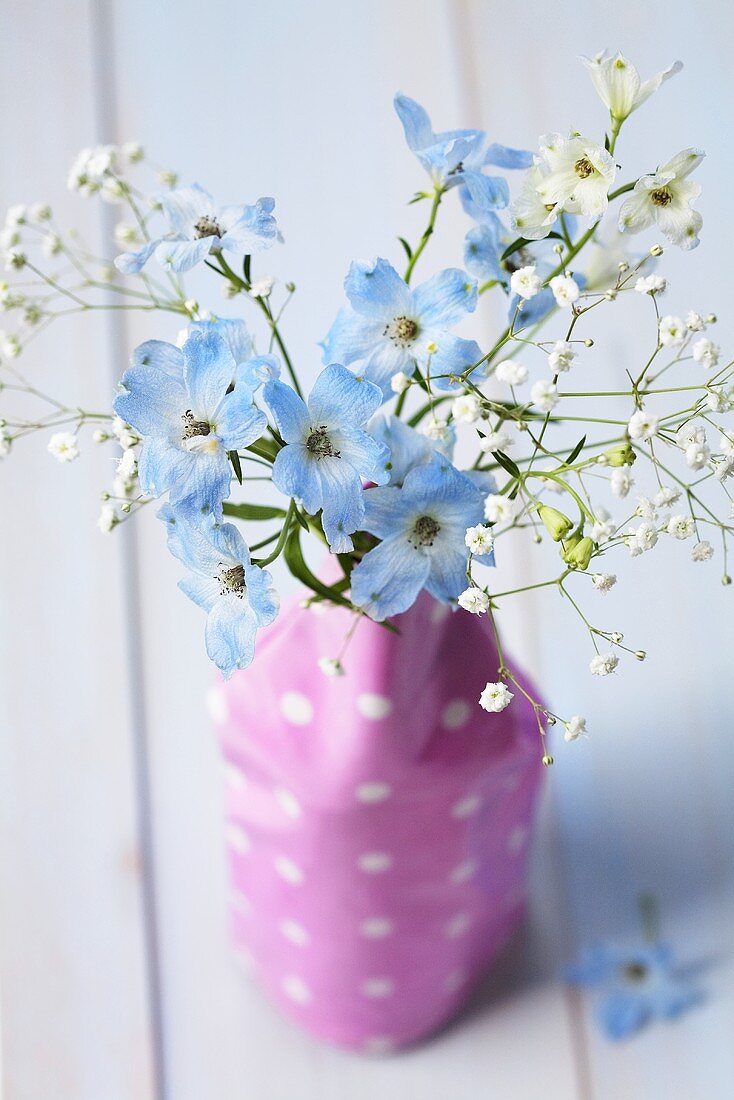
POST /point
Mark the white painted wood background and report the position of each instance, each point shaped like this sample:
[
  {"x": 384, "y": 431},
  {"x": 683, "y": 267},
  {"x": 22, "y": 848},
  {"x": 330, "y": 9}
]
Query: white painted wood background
[{"x": 117, "y": 978}]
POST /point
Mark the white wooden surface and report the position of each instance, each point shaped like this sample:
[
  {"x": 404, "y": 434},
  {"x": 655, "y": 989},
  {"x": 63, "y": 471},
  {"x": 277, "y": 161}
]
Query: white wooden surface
[{"x": 117, "y": 977}]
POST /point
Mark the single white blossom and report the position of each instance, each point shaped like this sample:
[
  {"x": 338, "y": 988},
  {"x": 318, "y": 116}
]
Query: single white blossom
[
  {"x": 688, "y": 434},
  {"x": 706, "y": 352},
  {"x": 544, "y": 394},
  {"x": 51, "y": 245},
  {"x": 604, "y": 526},
  {"x": 498, "y": 440},
  {"x": 263, "y": 287},
  {"x": 645, "y": 508},
  {"x": 532, "y": 216},
  {"x": 561, "y": 357},
  {"x": 643, "y": 425},
  {"x": 63, "y": 446},
  {"x": 565, "y": 290},
  {"x": 127, "y": 466},
  {"x": 474, "y": 600},
  {"x": 525, "y": 283},
  {"x": 400, "y": 382},
  {"x": 680, "y": 527},
  {"x": 651, "y": 284},
  {"x": 697, "y": 455},
  {"x": 495, "y": 697},
  {"x": 671, "y": 331},
  {"x": 694, "y": 321},
  {"x": 603, "y": 664},
  {"x": 702, "y": 551},
  {"x": 107, "y": 519},
  {"x": 620, "y": 482},
  {"x": 603, "y": 582},
  {"x": 666, "y": 497},
  {"x": 726, "y": 443},
  {"x": 514, "y": 374},
  {"x": 479, "y": 540},
  {"x": 499, "y": 509},
  {"x": 639, "y": 540},
  {"x": 664, "y": 198},
  {"x": 436, "y": 429},
  {"x": 574, "y": 728},
  {"x": 133, "y": 152},
  {"x": 618, "y": 83},
  {"x": 331, "y": 666},
  {"x": 580, "y": 174},
  {"x": 467, "y": 409}
]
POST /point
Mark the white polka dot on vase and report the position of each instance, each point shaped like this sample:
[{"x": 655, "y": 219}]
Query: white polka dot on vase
[
  {"x": 296, "y": 708},
  {"x": 289, "y": 870},
  {"x": 439, "y": 612},
  {"x": 455, "y": 714},
  {"x": 241, "y": 904},
  {"x": 237, "y": 839},
  {"x": 374, "y": 862},
  {"x": 464, "y": 871},
  {"x": 296, "y": 989},
  {"x": 457, "y": 926},
  {"x": 467, "y": 806},
  {"x": 373, "y": 706},
  {"x": 378, "y": 987},
  {"x": 379, "y": 1044},
  {"x": 294, "y": 932},
  {"x": 234, "y": 776},
  {"x": 376, "y": 928},
  {"x": 216, "y": 704},
  {"x": 373, "y": 792},
  {"x": 288, "y": 802},
  {"x": 455, "y": 981},
  {"x": 517, "y": 839}
]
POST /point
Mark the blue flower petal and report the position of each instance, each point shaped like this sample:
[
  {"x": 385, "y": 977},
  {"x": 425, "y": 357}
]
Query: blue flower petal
[
  {"x": 289, "y": 411},
  {"x": 388, "y": 579},
  {"x": 209, "y": 370},
  {"x": 482, "y": 250},
  {"x": 162, "y": 356},
  {"x": 130, "y": 263},
  {"x": 415, "y": 120},
  {"x": 454, "y": 356},
  {"x": 342, "y": 502},
  {"x": 255, "y": 372},
  {"x": 503, "y": 156},
  {"x": 161, "y": 466},
  {"x": 294, "y": 473},
  {"x": 444, "y": 298},
  {"x": 152, "y": 401},
  {"x": 234, "y": 332},
  {"x": 352, "y": 336},
  {"x": 407, "y": 447},
  {"x": 183, "y": 207},
  {"x": 204, "y": 591},
  {"x": 238, "y": 422},
  {"x": 620, "y": 1014},
  {"x": 384, "y": 508},
  {"x": 230, "y": 634},
  {"x": 263, "y": 598},
  {"x": 447, "y": 576},
  {"x": 254, "y": 229},
  {"x": 368, "y": 456},
  {"x": 181, "y": 256},
  {"x": 485, "y": 194},
  {"x": 386, "y": 360},
  {"x": 376, "y": 290},
  {"x": 340, "y": 398}
]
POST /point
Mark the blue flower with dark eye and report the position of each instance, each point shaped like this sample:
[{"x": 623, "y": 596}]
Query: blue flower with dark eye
[
  {"x": 395, "y": 328},
  {"x": 456, "y": 158},
  {"x": 637, "y": 986},
  {"x": 189, "y": 420},
  {"x": 327, "y": 452},
  {"x": 237, "y": 596},
  {"x": 197, "y": 227},
  {"x": 422, "y": 526}
]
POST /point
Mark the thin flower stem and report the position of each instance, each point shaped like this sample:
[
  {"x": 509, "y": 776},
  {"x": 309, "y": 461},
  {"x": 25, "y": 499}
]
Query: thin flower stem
[{"x": 427, "y": 233}]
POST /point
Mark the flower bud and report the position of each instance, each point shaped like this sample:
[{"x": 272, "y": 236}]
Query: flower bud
[
  {"x": 656, "y": 250},
  {"x": 547, "y": 761},
  {"x": 579, "y": 555},
  {"x": 556, "y": 524},
  {"x": 726, "y": 579},
  {"x": 622, "y": 454},
  {"x": 640, "y": 654}
]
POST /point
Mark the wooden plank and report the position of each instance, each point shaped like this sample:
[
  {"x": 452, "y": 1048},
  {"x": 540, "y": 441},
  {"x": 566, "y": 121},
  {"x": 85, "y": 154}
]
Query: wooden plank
[
  {"x": 301, "y": 110},
  {"x": 74, "y": 987}
]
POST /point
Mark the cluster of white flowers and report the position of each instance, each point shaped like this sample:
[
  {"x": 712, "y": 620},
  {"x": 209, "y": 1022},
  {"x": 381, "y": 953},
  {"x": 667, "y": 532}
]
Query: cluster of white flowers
[{"x": 99, "y": 170}]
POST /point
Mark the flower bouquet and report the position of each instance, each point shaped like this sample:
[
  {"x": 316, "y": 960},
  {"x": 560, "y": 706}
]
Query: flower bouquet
[{"x": 363, "y": 466}]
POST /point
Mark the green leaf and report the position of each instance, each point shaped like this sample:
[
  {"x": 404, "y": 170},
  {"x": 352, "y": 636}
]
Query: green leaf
[
  {"x": 419, "y": 196},
  {"x": 406, "y": 246},
  {"x": 234, "y": 458},
  {"x": 294, "y": 560},
  {"x": 301, "y": 519},
  {"x": 607, "y": 142},
  {"x": 576, "y": 451},
  {"x": 507, "y": 464},
  {"x": 253, "y": 511},
  {"x": 521, "y": 242}
]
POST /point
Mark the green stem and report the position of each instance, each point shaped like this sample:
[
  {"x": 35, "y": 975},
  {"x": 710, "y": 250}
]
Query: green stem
[
  {"x": 427, "y": 232},
  {"x": 287, "y": 522}
]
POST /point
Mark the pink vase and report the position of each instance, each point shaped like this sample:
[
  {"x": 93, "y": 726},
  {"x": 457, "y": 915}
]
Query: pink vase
[{"x": 378, "y": 823}]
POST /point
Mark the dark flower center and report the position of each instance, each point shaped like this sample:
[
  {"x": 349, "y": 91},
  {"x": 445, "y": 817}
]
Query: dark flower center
[
  {"x": 634, "y": 972},
  {"x": 583, "y": 168},
  {"x": 319, "y": 444},
  {"x": 402, "y": 331},
  {"x": 424, "y": 531},
  {"x": 232, "y": 579},
  {"x": 661, "y": 196},
  {"x": 206, "y": 227},
  {"x": 521, "y": 258},
  {"x": 194, "y": 427}
]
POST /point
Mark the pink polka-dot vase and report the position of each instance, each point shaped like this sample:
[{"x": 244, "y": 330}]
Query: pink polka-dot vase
[{"x": 377, "y": 822}]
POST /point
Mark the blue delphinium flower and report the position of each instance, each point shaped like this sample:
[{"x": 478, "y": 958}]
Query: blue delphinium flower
[
  {"x": 327, "y": 451},
  {"x": 394, "y": 328},
  {"x": 197, "y": 226},
  {"x": 422, "y": 526},
  {"x": 636, "y": 986},
  {"x": 188, "y": 423},
  {"x": 408, "y": 448},
  {"x": 237, "y": 596},
  {"x": 251, "y": 370},
  {"x": 456, "y": 158}
]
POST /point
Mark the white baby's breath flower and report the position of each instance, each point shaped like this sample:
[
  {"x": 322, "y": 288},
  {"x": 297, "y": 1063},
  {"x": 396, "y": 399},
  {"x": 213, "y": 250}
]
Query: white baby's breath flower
[
  {"x": 726, "y": 443},
  {"x": 651, "y": 284},
  {"x": 16, "y": 215},
  {"x": 263, "y": 287},
  {"x": 124, "y": 434},
  {"x": 99, "y": 435},
  {"x": 107, "y": 519},
  {"x": 436, "y": 429},
  {"x": 400, "y": 382},
  {"x": 694, "y": 321},
  {"x": 574, "y": 728},
  {"x": 127, "y": 465},
  {"x": 702, "y": 551},
  {"x": 525, "y": 283},
  {"x": 126, "y": 234},
  {"x": 331, "y": 666},
  {"x": 133, "y": 152},
  {"x": 641, "y": 539},
  {"x": 680, "y": 527},
  {"x": 10, "y": 345},
  {"x": 63, "y": 446},
  {"x": 479, "y": 539},
  {"x": 688, "y": 434},
  {"x": 666, "y": 497},
  {"x": 467, "y": 409},
  {"x": 671, "y": 331},
  {"x": 718, "y": 400},
  {"x": 603, "y": 664},
  {"x": 643, "y": 425},
  {"x": 565, "y": 290},
  {"x": 15, "y": 259},
  {"x": 724, "y": 468},
  {"x": 495, "y": 697},
  {"x": 496, "y": 441},
  {"x": 474, "y": 600},
  {"x": 499, "y": 509},
  {"x": 603, "y": 582},
  {"x": 511, "y": 372},
  {"x": 604, "y": 526},
  {"x": 561, "y": 357},
  {"x": 620, "y": 482},
  {"x": 40, "y": 212},
  {"x": 706, "y": 352},
  {"x": 544, "y": 394},
  {"x": 697, "y": 455},
  {"x": 51, "y": 245},
  {"x": 645, "y": 508}
]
